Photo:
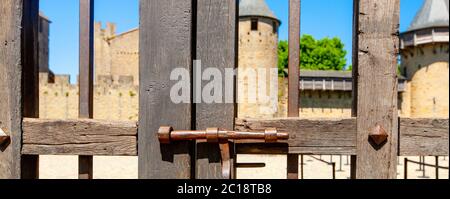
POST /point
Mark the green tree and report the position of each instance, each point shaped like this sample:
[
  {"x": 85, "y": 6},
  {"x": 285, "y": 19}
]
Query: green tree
[
  {"x": 324, "y": 54},
  {"x": 283, "y": 57}
]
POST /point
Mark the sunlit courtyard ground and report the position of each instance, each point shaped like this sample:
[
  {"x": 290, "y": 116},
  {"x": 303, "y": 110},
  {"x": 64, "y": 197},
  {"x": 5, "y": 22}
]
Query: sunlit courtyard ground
[{"x": 66, "y": 167}]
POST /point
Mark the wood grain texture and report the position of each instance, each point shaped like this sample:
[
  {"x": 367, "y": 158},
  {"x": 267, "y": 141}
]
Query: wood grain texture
[
  {"x": 165, "y": 44},
  {"x": 378, "y": 48},
  {"x": 86, "y": 80},
  {"x": 424, "y": 137},
  {"x": 427, "y": 137},
  {"x": 355, "y": 59},
  {"x": 79, "y": 137},
  {"x": 10, "y": 86},
  {"x": 30, "y": 78},
  {"x": 294, "y": 58},
  {"x": 294, "y": 76},
  {"x": 307, "y": 136},
  {"x": 338, "y": 137},
  {"x": 217, "y": 48}
]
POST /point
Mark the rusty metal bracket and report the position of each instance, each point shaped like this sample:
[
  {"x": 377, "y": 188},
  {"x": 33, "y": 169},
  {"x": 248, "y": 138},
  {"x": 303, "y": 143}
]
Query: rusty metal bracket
[
  {"x": 167, "y": 135},
  {"x": 378, "y": 135},
  {"x": 3, "y": 138}
]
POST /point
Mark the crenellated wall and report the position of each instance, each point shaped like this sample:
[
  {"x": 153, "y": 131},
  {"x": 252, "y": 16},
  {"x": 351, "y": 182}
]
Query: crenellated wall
[
  {"x": 116, "y": 54},
  {"x": 115, "y": 98},
  {"x": 117, "y": 78}
]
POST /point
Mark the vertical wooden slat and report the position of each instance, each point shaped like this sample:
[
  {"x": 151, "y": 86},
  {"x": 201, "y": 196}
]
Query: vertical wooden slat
[
  {"x": 353, "y": 167},
  {"x": 436, "y": 160},
  {"x": 165, "y": 44},
  {"x": 405, "y": 171},
  {"x": 294, "y": 58},
  {"x": 354, "y": 76},
  {"x": 30, "y": 78},
  {"x": 86, "y": 78},
  {"x": 302, "y": 165},
  {"x": 217, "y": 48},
  {"x": 294, "y": 76},
  {"x": 292, "y": 166},
  {"x": 10, "y": 87},
  {"x": 378, "y": 46}
]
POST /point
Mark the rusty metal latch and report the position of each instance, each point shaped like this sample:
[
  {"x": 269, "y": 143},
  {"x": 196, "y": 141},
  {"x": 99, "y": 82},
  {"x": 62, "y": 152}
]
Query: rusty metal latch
[
  {"x": 167, "y": 135},
  {"x": 3, "y": 138}
]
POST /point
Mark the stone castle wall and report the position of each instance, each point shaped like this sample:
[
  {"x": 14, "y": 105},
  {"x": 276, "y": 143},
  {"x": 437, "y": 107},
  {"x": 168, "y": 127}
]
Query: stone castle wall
[
  {"x": 427, "y": 70},
  {"x": 256, "y": 48},
  {"x": 116, "y": 84},
  {"x": 316, "y": 104},
  {"x": 116, "y": 54},
  {"x": 43, "y": 36},
  {"x": 117, "y": 98},
  {"x": 112, "y": 101}
]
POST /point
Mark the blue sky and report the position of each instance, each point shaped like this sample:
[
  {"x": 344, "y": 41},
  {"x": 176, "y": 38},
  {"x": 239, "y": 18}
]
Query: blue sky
[{"x": 320, "y": 18}]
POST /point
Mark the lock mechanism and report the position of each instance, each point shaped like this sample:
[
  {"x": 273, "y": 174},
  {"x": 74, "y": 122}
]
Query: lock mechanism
[{"x": 167, "y": 135}]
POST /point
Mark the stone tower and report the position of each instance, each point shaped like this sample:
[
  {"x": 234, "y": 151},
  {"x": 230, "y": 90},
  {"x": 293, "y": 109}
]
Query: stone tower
[
  {"x": 424, "y": 54},
  {"x": 116, "y": 55},
  {"x": 258, "y": 49},
  {"x": 44, "y": 35}
]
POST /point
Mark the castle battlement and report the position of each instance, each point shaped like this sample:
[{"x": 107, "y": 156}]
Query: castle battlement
[
  {"x": 123, "y": 80},
  {"x": 115, "y": 97},
  {"x": 102, "y": 80}
]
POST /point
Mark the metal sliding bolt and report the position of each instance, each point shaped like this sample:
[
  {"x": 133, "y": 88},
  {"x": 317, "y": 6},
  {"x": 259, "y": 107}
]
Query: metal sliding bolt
[{"x": 167, "y": 135}]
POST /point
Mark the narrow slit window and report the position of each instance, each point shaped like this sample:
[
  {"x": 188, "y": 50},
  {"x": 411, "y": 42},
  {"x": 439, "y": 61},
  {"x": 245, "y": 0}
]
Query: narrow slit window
[{"x": 254, "y": 25}]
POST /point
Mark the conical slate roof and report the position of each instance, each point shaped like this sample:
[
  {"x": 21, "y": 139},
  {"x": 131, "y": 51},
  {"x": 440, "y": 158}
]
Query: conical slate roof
[
  {"x": 252, "y": 8},
  {"x": 434, "y": 13}
]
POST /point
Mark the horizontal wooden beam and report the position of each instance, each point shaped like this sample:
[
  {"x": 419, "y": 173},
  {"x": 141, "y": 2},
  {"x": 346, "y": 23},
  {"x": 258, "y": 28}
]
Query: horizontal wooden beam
[
  {"x": 79, "y": 137},
  {"x": 306, "y": 136},
  {"x": 418, "y": 137},
  {"x": 424, "y": 137}
]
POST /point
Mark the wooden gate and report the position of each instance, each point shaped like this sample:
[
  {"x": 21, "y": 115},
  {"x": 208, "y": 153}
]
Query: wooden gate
[{"x": 174, "y": 33}]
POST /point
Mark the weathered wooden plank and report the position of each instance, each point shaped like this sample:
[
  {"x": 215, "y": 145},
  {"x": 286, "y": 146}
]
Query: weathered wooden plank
[
  {"x": 79, "y": 137},
  {"x": 292, "y": 166},
  {"x": 10, "y": 87},
  {"x": 294, "y": 76},
  {"x": 86, "y": 80},
  {"x": 337, "y": 137},
  {"x": 307, "y": 136},
  {"x": 378, "y": 48},
  {"x": 355, "y": 52},
  {"x": 30, "y": 78},
  {"x": 294, "y": 58},
  {"x": 86, "y": 64},
  {"x": 419, "y": 137},
  {"x": 424, "y": 137},
  {"x": 216, "y": 47},
  {"x": 165, "y": 44}
]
